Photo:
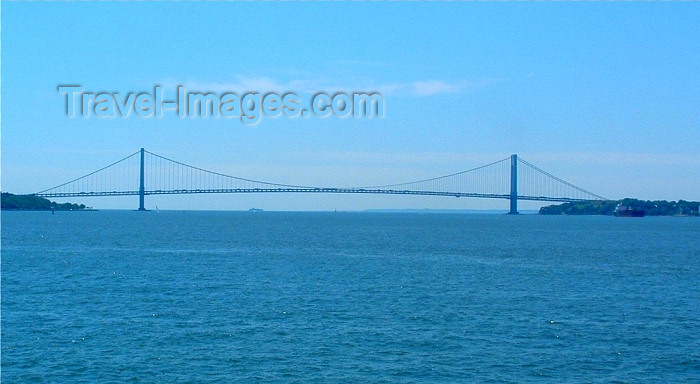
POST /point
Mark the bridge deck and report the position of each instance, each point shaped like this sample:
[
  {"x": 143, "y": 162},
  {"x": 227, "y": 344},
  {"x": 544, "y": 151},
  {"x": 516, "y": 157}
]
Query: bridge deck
[{"x": 309, "y": 190}]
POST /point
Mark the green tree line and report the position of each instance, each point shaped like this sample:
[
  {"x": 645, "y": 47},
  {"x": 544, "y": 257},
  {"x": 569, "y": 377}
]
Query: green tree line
[
  {"x": 607, "y": 207},
  {"x": 14, "y": 202}
]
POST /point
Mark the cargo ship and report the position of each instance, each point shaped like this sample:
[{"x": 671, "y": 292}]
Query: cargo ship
[{"x": 627, "y": 211}]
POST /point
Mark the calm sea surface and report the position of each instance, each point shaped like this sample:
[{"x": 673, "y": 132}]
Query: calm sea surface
[{"x": 118, "y": 296}]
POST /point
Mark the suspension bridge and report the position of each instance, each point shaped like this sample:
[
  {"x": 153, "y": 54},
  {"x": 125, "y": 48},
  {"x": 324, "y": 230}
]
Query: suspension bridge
[{"x": 145, "y": 173}]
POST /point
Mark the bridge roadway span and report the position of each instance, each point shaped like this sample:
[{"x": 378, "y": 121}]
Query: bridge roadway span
[{"x": 310, "y": 190}]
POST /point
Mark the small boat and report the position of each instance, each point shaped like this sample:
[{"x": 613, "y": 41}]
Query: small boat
[
  {"x": 255, "y": 210},
  {"x": 628, "y": 211}
]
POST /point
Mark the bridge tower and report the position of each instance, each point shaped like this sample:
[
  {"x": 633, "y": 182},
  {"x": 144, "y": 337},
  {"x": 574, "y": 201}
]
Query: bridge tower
[
  {"x": 513, "y": 185},
  {"x": 142, "y": 193}
]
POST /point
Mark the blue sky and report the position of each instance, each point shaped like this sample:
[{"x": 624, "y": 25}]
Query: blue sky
[{"x": 604, "y": 95}]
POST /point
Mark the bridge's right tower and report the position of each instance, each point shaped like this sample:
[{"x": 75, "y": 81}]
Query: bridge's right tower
[
  {"x": 142, "y": 192},
  {"x": 513, "y": 185}
]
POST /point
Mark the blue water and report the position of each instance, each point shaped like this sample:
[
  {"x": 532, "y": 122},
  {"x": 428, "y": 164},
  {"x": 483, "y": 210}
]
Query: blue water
[{"x": 117, "y": 296}]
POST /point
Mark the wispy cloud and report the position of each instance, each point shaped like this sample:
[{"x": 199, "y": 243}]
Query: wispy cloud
[
  {"x": 244, "y": 84},
  {"x": 458, "y": 161},
  {"x": 618, "y": 158},
  {"x": 402, "y": 158},
  {"x": 436, "y": 87}
]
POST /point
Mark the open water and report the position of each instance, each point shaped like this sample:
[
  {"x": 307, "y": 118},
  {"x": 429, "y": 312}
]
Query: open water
[{"x": 195, "y": 297}]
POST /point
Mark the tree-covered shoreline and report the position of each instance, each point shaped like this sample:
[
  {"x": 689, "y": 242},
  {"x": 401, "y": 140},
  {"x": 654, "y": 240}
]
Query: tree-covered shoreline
[
  {"x": 607, "y": 207},
  {"x": 12, "y": 202}
]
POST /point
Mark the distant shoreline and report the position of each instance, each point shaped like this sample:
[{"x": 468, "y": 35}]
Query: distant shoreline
[
  {"x": 680, "y": 208},
  {"x": 12, "y": 202},
  {"x": 607, "y": 207},
  {"x": 366, "y": 211}
]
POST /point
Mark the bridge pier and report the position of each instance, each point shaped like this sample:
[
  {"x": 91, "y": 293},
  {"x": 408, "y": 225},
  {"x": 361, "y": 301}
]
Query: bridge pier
[
  {"x": 513, "y": 185},
  {"x": 142, "y": 193}
]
